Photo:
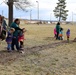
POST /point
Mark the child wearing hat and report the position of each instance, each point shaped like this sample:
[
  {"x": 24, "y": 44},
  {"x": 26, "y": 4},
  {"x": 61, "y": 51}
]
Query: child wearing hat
[
  {"x": 68, "y": 34},
  {"x": 61, "y": 34},
  {"x": 9, "y": 39}
]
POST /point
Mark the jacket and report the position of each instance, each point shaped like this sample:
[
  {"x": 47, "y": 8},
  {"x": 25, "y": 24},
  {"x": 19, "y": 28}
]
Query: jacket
[
  {"x": 16, "y": 27},
  {"x": 57, "y": 28}
]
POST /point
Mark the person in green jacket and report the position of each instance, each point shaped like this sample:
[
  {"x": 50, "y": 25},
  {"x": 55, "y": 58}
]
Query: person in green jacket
[
  {"x": 57, "y": 30},
  {"x": 15, "y": 42}
]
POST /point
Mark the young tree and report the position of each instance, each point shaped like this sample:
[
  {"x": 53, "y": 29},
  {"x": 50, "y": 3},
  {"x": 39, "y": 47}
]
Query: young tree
[
  {"x": 60, "y": 12},
  {"x": 19, "y": 4}
]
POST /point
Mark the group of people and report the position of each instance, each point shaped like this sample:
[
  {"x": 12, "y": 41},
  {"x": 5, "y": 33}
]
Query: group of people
[
  {"x": 14, "y": 35},
  {"x": 58, "y": 32}
]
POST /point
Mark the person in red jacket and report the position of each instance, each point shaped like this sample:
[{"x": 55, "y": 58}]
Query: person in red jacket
[{"x": 21, "y": 39}]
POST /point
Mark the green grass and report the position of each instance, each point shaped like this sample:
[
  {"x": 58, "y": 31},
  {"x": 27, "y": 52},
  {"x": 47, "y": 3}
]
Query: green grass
[{"x": 58, "y": 60}]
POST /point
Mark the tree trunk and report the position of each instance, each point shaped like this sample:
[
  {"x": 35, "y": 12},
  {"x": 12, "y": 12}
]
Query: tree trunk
[
  {"x": 60, "y": 16},
  {"x": 10, "y": 17}
]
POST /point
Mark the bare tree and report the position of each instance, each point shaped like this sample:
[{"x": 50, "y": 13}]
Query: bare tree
[
  {"x": 19, "y": 4},
  {"x": 22, "y": 4}
]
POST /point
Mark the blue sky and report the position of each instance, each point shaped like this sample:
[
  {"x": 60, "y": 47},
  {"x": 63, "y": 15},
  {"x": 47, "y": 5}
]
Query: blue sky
[{"x": 46, "y": 8}]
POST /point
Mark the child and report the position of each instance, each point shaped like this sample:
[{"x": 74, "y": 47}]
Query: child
[
  {"x": 61, "y": 34},
  {"x": 21, "y": 40},
  {"x": 9, "y": 39},
  {"x": 55, "y": 33},
  {"x": 68, "y": 34}
]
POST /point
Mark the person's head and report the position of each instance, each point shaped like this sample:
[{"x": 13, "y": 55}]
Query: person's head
[
  {"x": 58, "y": 23},
  {"x": 12, "y": 30},
  {"x": 17, "y": 21},
  {"x": 61, "y": 29},
  {"x": 68, "y": 30}
]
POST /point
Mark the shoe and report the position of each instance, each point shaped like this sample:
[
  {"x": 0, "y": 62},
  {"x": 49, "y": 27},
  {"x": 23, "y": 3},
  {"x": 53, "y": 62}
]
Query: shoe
[
  {"x": 9, "y": 51},
  {"x": 20, "y": 51}
]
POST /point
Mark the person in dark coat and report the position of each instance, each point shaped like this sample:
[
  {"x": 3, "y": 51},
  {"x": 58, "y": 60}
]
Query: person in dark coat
[
  {"x": 57, "y": 30},
  {"x": 15, "y": 42}
]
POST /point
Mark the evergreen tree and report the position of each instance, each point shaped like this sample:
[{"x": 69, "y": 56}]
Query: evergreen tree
[{"x": 60, "y": 12}]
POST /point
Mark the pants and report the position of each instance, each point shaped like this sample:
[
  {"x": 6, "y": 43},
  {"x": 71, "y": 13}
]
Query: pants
[
  {"x": 9, "y": 46},
  {"x": 57, "y": 36},
  {"x": 15, "y": 43},
  {"x": 68, "y": 38}
]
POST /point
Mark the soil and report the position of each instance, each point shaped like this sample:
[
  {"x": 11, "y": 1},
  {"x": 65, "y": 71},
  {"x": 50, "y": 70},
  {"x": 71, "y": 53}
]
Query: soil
[{"x": 10, "y": 57}]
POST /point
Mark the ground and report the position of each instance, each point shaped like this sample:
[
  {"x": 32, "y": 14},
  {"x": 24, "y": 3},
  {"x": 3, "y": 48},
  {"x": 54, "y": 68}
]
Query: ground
[{"x": 43, "y": 54}]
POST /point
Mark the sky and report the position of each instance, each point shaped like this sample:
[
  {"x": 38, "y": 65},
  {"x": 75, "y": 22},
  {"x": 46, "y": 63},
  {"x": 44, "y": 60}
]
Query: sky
[{"x": 46, "y": 8}]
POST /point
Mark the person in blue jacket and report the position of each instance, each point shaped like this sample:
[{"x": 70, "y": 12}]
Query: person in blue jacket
[
  {"x": 15, "y": 42},
  {"x": 9, "y": 39}
]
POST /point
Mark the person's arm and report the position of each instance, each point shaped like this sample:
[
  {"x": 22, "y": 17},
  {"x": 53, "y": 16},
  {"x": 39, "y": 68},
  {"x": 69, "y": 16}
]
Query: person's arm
[
  {"x": 13, "y": 25},
  {"x": 17, "y": 28}
]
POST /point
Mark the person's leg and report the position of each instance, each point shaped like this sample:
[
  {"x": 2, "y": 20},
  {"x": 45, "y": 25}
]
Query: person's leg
[
  {"x": 13, "y": 43},
  {"x": 21, "y": 47},
  {"x": 21, "y": 44},
  {"x": 57, "y": 37},
  {"x": 17, "y": 44},
  {"x": 9, "y": 46},
  {"x": 68, "y": 38},
  {"x": 61, "y": 37}
]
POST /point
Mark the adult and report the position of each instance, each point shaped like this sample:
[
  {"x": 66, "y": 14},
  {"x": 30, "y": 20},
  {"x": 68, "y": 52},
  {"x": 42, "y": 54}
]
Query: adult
[
  {"x": 15, "y": 42},
  {"x": 0, "y": 25},
  {"x": 57, "y": 30},
  {"x": 4, "y": 28},
  {"x": 4, "y": 24}
]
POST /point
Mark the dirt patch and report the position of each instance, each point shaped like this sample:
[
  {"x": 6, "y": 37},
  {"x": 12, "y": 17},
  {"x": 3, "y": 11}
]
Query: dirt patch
[
  {"x": 8, "y": 58},
  {"x": 51, "y": 45}
]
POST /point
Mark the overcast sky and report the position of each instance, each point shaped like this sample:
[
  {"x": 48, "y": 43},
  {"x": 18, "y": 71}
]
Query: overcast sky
[{"x": 46, "y": 8}]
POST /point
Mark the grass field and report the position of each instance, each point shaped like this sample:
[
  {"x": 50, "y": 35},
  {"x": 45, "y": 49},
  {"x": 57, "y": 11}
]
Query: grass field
[{"x": 43, "y": 54}]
